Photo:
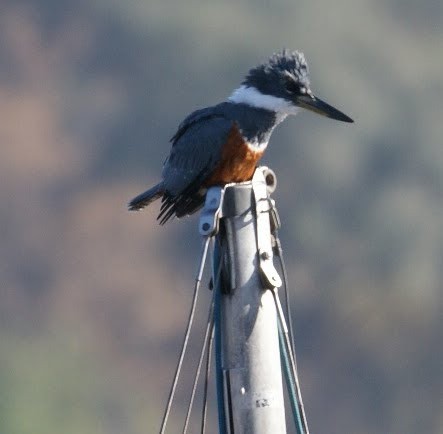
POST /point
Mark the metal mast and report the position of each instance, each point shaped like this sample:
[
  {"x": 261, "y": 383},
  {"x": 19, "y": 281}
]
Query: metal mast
[{"x": 250, "y": 356}]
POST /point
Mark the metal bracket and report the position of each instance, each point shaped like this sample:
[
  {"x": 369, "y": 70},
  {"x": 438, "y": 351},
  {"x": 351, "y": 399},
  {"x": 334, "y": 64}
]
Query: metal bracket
[
  {"x": 264, "y": 207},
  {"x": 263, "y": 183},
  {"x": 211, "y": 213}
]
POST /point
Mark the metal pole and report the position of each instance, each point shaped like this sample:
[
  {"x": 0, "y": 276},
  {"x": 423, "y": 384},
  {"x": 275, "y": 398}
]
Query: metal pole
[{"x": 253, "y": 390}]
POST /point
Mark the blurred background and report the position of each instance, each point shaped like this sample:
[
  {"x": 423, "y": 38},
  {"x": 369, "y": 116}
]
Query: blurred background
[{"x": 94, "y": 299}]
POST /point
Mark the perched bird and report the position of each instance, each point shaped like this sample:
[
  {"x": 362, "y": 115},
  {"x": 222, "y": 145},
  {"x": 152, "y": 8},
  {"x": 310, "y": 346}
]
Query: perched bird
[{"x": 223, "y": 143}]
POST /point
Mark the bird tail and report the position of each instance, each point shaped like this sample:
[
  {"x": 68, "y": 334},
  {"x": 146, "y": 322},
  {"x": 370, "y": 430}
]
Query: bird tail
[{"x": 146, "y": 198}]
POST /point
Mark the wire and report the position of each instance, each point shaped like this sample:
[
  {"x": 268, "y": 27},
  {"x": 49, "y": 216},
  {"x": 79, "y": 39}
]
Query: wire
[
  {"x": 289, "y": 340},
  {"x": 218, "y": 255},
  {"x": 286, "y": 290},
  {"x": 216, "y": 285},
  {"x": 292, "y": 393},
  {"x": 209, "y": 327},
  {"x": 187, "y": 333},
  {"x": 207, "y": 371},
  {"x": 292, "y": 365}
]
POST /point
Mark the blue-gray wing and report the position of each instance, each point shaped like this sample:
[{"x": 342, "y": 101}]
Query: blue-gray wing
[{"x": 195, "y": 152}]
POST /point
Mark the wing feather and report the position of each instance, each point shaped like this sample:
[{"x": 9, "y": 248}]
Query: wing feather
[{"x": 196, "y": 150}]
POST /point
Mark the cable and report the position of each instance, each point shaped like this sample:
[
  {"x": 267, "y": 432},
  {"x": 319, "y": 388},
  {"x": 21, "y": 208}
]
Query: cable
[
  {"x": 187, "y": 333},
  {"x": 206, "y": 338},
  {"x": 293, "y": 368},
  {"x": 289, "y": 382},
  {"x": 216, "y": 286},
  {"x": 286, "y": 289},
  {"x": 293, "y": 381},
  {"x": 218, "y": 346},
  {"x": 205, "y": 388}
]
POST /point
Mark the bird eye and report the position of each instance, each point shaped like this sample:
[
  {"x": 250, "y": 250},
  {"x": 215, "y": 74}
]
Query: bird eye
[{"x": 292, "y": 86}]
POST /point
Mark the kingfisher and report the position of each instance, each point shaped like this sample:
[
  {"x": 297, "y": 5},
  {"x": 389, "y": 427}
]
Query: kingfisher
[{"x": 223, "y": 143}]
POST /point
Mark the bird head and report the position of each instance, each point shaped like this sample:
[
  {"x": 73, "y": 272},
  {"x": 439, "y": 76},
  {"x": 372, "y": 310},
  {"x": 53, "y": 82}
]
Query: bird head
[{"x": 282, "y": 85}]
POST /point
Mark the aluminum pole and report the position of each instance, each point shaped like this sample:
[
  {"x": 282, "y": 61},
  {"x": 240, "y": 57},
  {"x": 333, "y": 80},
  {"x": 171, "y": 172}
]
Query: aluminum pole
[{"x": 253, "y": 390}]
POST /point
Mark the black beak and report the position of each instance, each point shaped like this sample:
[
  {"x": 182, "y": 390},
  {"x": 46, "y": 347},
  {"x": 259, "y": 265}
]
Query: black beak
[{"x": 316, "y": 105}]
